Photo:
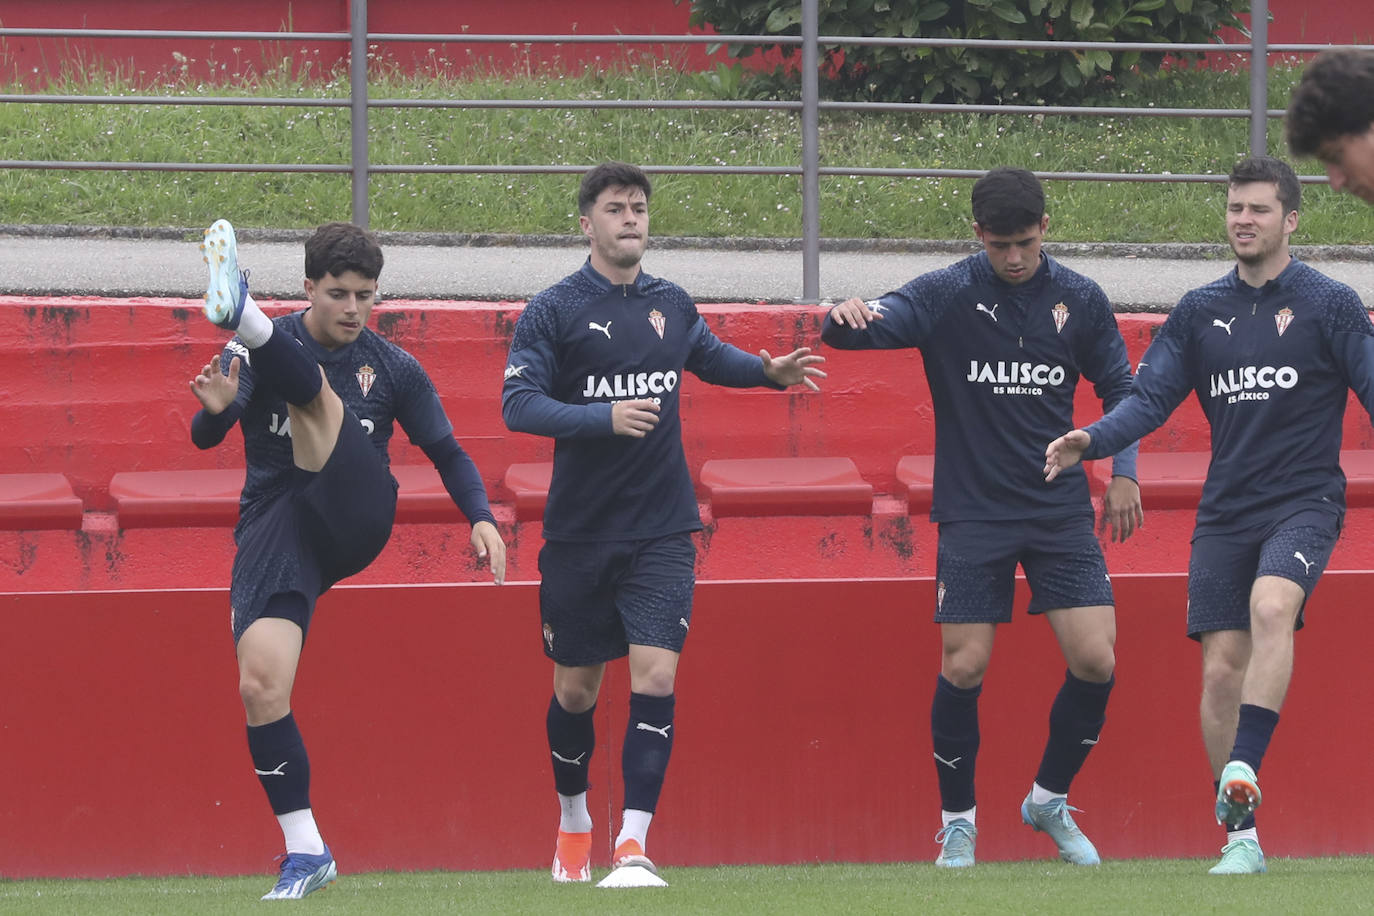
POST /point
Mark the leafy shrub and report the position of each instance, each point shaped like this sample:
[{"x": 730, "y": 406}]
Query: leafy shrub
[{"x": 954, "y": 74}]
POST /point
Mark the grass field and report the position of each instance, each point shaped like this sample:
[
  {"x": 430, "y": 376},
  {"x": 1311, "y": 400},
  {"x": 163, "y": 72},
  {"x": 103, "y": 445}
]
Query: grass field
[
  {"x": 708, "y": 206},
  {"x": 1293, "y": 886}
]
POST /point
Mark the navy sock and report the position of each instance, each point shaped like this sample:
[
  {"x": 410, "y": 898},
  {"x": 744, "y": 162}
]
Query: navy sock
[
  {"x": 283, "y": 768},
  {"x": 1253, "y": 733},
  {"x": 1246, "y": 824},
  {"x": 1076, "y": 720},
  {"x": 954, "y": 734},
  {"x": 288, "y": 368},
  {"x": 648, "y": 745},
  {"x": 572, "y": 738}
]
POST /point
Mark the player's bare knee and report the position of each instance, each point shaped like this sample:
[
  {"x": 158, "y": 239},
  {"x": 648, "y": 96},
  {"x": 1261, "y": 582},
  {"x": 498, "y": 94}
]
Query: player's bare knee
[
  {"x": 1271, "y": 616},
  {"x": 264, "y": 698},
  {"x": 1221, "y": 687},
  {"x": 1095, "y": 662},
  {"x": 964, "y": 668},
  {"x": 1222, "y": 672},
  {"x": 575, "y": 698},
  {"x": 656, "y": 682}
]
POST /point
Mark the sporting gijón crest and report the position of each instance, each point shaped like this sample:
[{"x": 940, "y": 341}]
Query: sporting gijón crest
[
  {"x": 1283, "y": 318},
  {"x": 365, "y": 375},
  {"x": 1061, "y": 315}
]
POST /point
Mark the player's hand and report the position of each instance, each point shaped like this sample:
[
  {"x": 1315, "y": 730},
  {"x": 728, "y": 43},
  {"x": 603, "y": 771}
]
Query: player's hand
[
  {"x": 1064, "y": 452},
  {"x": 214, "y": 389},
  {"x": 486, "y": 540},
  {"x": 634, "y": 418},
  {"x": 796, "y": 368},
  {"x": 1121, "y": 508},
  {"x": 854, "y": 313}
]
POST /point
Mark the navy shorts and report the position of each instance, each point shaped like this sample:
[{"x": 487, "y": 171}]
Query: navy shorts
[
  {"x": 1223, "y": 568},
  {"x": 598, "y": 598},
  {"x": 329, "y": 525},
  {"x": 975, "y": 573}
]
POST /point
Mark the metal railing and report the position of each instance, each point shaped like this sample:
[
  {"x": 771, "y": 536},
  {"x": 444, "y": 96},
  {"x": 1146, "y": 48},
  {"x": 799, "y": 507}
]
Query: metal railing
[{"x": 809, "y": 106}]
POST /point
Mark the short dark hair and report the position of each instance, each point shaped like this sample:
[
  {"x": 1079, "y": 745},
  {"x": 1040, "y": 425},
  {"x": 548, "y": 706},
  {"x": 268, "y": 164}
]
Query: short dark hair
[
  {"x": 1334, "y": 99},
  {"x": 1271, "y": 170},
  {"x": 610, "y": 175},
  {"x": 1008, "y": 200},
  {"x": 336, "y": 248}
]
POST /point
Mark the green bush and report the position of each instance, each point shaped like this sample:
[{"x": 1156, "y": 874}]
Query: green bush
[{"x": 954, "y": 74}]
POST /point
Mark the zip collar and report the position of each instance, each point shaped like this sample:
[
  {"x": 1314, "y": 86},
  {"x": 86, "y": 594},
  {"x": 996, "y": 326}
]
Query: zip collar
[{"x": 592, "y": 275}]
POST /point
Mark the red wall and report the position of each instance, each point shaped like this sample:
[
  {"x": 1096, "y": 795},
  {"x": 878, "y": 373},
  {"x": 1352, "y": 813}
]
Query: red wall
[
  {"x": 32, "y": 60},
  {"x": 803, "y": 732},
  {"x": 154, "y": 776},
  {"x": 94, "y": 387},
  {"x": 218, "y": 60}
]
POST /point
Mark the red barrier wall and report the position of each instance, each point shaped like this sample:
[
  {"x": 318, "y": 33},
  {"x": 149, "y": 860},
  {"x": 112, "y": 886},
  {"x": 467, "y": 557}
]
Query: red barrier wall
[
  {"x": 33, "y": 60},
  {"x": 423, "y": 712},
  {"x": 94, "y": 387}
]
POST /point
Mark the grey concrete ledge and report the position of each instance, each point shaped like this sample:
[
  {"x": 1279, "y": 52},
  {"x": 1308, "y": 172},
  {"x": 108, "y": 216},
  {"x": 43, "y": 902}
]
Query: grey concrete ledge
[{"x": 1156, "y": 250}]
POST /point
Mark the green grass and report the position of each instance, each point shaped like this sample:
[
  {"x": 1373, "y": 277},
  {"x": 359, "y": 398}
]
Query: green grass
[
  {"x": 683, "y": 205},
  {"x": 1293, "y": 886}
]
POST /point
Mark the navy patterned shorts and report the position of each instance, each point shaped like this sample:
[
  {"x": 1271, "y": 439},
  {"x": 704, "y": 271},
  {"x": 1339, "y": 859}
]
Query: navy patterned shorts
[
  {"x": 598, "y": 598},
  {"x": 975, "y": 572},
  {"x": 1223, "y": 568},
  {"x": 330, "y": 525}
]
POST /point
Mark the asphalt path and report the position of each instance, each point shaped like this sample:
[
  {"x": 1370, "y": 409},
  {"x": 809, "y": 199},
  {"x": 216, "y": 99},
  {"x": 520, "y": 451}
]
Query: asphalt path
[{"x": 167, "y": 264}]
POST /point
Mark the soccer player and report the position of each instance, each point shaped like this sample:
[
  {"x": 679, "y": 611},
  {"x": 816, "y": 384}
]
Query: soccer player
[
  {"x": 596, "y": 362},
  {"x": 317, "y": 394},
  {"x": 1005, "y": 336},
  {"x": 1270, "y": 350},
  {"x": 1331, "y": 116}
]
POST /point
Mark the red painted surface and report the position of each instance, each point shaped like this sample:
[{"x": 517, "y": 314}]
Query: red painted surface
[
  {"x": 780, "y": 757},
  {"x": 80, "y": 397},
  {"x": 34, "y": 60}
]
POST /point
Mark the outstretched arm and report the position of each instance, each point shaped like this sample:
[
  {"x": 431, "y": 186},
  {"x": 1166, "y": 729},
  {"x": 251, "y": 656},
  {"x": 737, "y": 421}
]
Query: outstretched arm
[
  {"x": 1066, "y": 451},
  {"x": 217, "y": 392},
  {"x": 855, "y": 313},
  {"x": 797, "y": 367}
]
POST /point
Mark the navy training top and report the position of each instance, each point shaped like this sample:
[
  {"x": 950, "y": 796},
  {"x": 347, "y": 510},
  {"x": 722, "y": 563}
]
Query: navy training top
[
  {"x": 585, "y": 343},
  {"x": 1271, "y": 367},
  {"x": 1003, "y": 361},
  {"x": 378, "y": 381}
]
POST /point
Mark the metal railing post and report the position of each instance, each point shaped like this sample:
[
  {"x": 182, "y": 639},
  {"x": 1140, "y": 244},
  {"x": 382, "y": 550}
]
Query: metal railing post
[
  {"x": 811, "y": 160},
  {"x": 1259, "y": 77},
  {"x": 357, "y": 81}
]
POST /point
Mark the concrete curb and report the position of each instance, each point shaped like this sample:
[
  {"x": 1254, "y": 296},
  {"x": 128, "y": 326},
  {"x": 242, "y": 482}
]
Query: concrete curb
[{"x": 1162, "y": 250}]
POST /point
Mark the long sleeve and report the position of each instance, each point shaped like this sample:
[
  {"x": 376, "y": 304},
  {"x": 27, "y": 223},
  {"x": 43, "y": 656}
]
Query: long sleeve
[
  {"x": 461, "y": 479},
  {"x": 712, "y": 360},
  {"x": 528, "y": 407},
  {"x": 209, "y": 429},
  {"x": 1161, "y": 383}
]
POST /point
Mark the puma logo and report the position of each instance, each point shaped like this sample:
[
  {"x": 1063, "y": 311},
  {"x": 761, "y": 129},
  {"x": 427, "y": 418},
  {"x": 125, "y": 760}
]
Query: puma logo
[
  {"x": 1224, "y": 325},
  {"x": 575, "y": 761},
  {"x": 276, "y": 772},
  {"x": 603, "y": 328},
  {"x": 991, "y": 311},
  {"x": 1306, "y": 566},
  {"x": 645, "y": 726}
]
